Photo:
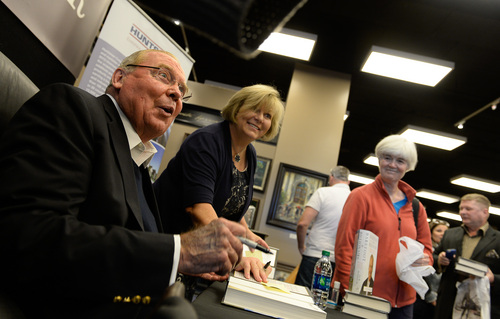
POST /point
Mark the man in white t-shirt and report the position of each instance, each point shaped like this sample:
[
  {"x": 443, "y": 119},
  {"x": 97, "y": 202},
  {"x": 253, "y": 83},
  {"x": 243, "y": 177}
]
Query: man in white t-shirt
[{"x": 324, "y": 208}]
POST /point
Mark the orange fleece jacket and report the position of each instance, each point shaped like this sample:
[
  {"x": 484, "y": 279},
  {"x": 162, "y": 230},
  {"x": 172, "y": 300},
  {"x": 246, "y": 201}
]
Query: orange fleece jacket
[{"x": 370, "y": 207}]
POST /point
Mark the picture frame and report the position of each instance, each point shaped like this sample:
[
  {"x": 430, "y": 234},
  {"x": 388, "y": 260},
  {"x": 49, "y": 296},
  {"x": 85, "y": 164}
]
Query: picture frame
[
  {"x": 198, "y": 116},
  {"x": 261, "y": 172},
  {"x": 294, "y": 186},
  {"x": 251, "y": 214}
]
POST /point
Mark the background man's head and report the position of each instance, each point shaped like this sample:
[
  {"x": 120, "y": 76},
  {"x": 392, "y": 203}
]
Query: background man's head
[
  {"x": 339, "y": 174},
  {"x": 474, "y": 210}
]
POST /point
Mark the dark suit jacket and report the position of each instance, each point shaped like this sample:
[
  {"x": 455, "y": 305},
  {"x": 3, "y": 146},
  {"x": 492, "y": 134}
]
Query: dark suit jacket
[
  {"x": 71, "y": 233},
  {"x": 447, "y": 289}
]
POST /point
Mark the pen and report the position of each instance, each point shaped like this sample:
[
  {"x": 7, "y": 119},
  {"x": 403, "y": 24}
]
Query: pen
[
  {"x": 267, "y": 265},
  {"x": 253, "y": 244}
]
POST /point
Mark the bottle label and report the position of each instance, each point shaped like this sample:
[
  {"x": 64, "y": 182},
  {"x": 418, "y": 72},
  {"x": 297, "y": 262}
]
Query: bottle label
[{"x": 321, "y": 282}]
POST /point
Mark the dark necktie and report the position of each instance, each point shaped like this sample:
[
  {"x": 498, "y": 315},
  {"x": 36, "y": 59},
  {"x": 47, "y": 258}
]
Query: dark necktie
[{"x": 147, "y": 216}]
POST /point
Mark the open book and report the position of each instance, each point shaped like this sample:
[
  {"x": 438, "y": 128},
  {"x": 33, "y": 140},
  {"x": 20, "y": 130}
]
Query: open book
[{"x": 275, "y": 298}]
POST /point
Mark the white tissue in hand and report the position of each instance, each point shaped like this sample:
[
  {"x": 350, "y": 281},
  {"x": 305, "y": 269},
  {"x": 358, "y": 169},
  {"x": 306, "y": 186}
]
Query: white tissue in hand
[{"x": 406, "y": 257}]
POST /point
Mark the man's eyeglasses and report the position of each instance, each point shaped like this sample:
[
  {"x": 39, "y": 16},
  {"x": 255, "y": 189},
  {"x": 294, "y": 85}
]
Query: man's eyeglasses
[{"x": 165, "y": 76}]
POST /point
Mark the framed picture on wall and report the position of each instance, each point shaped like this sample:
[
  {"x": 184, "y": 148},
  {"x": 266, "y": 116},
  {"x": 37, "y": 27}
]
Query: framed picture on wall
[
  {"x": 294, "y": 186},
  {"x": 261, "y": 173},
  {"x": 251, "y": 214}
]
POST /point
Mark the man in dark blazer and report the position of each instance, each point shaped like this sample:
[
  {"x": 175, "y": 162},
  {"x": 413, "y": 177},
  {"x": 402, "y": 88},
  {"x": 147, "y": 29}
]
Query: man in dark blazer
[
  {"x": 476, "y": 240},
  {"x": 79, "y": 227}
]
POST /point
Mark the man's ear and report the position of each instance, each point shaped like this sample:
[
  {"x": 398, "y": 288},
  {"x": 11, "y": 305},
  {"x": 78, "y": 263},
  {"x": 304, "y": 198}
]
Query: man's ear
[{"x": 117, "y": 78}]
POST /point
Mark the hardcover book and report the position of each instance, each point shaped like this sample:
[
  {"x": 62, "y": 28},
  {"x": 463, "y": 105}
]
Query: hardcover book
[
  {"x": 363, "y": 312},
  {"x": 276, "y": 299},
  {"x": 364, "y": 262},
  {"x": 372, "y": 302},
  {"x": 470, "y": 267}
]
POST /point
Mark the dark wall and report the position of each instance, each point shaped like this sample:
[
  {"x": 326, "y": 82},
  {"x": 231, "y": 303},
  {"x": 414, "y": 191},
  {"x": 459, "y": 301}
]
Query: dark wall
[{"x": 28, "y": 53}]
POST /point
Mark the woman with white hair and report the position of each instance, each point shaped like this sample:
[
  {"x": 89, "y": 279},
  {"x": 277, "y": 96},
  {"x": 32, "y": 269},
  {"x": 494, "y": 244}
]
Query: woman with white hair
[{"x": 384, "y": 207}]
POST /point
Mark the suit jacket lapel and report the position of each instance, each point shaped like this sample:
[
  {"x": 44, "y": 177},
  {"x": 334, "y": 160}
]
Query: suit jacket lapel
[
  {"x": 487, "y": 239},
  {"x": 119, "y": 143}
]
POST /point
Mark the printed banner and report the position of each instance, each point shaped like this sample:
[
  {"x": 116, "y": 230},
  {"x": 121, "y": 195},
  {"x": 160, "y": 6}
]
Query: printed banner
[
  {"x": 127, "y": 29},
  {"x": 66, "y": 27}
]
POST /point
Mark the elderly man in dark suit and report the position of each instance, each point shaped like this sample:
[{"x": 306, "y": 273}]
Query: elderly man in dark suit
[
  {"x": 476, "y": 240},
  {"x": 79, "y": 227}
]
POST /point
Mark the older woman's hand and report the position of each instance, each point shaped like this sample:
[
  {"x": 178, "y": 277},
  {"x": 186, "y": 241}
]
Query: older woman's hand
[
  {"x": 423, "y": 261},
  {"x": 255, "y": 267}
]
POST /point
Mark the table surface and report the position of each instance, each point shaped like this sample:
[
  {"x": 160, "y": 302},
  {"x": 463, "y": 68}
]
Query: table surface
[{"x": 208, "y": 306}]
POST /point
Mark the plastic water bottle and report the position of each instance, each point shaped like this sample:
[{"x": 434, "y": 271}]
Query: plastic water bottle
[
  {"x": 321, "y": 280},
  {"x": 335, "y": 294}
]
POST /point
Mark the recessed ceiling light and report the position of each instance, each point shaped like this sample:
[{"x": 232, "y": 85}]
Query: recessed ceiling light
[
  {"x": 291, "y": 43},
  {"x": 440, "y": 197},
  {"x": 449, "y": 215},
  {"x": 432, "y": 138},
  {"x": 371, "y": 160},
  {"x": 361, "y": 179},
  {"x": 476, "y": 183},
  {"x": 406, "y": 66}
]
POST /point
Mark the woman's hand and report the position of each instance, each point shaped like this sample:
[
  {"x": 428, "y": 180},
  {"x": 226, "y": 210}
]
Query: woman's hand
[
  {"x": 422, "y": 261},
  {"x": 255, "y": 267},
  {"x": 250, "y": 235}
]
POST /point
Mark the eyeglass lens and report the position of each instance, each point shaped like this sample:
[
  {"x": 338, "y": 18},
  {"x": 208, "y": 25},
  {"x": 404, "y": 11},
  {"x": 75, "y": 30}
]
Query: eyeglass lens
[{"x": 165, "y": 76}]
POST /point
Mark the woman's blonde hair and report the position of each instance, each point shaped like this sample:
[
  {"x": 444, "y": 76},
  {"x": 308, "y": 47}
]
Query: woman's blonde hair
[{"x": 254, "y": 98}]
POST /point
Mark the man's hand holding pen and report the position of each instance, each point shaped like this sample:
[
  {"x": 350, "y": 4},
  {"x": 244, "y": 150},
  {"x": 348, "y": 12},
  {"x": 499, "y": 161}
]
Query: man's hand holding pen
[{"x": 214, "y": 259}]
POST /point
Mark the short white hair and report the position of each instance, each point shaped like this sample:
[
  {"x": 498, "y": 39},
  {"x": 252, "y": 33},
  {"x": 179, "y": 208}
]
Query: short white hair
[{"x": 397, "y": 145}]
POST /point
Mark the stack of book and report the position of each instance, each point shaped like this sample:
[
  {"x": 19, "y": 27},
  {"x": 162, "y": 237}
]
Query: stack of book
[
  {"x": 365, "y": 306},
  {"x": 274, "y": 298},
  {"x": 467, "y": 267}
]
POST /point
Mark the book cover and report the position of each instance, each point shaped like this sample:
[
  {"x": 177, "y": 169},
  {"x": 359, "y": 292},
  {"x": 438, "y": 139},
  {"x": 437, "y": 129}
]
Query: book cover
[
  {"x": 464, "y": 270},
  {"x": 364, "y": 262},
  {"x": 270, "y": 300},
  {"x": 472, "y": 264},
  {"x": 372, "y": 302},
  {"x": 363, "y": 312}
]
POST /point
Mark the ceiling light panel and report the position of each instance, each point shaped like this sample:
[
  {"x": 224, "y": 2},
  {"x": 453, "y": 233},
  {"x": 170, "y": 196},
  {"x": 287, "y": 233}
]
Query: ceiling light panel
[
  {"x": 406, "y": 66},
  {"x": 291, "y": 43},
  {"x": 440, "y": 197},
  {"x": 361, "y": 179},
  {"x": 476, "y": 183},
  {"x": 371, "y": 160},
  {"x": 432, "y": 138},
  {"x": 449, "y": 215},
  {"x": 494, "y": 210}
]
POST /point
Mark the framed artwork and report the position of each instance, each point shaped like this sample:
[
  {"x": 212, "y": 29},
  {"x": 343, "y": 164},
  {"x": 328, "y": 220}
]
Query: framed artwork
[
  {"x": 294, "y": 186},
  {"x": 198, "y": 116},
  {"x": 261, "y": 173},
  {"x": 251, "y": 214}
]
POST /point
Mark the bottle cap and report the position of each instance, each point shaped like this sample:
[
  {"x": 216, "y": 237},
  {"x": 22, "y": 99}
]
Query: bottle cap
[
  {"x": 325, "y": 253},
  {"x": 336, "y": 285}
]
